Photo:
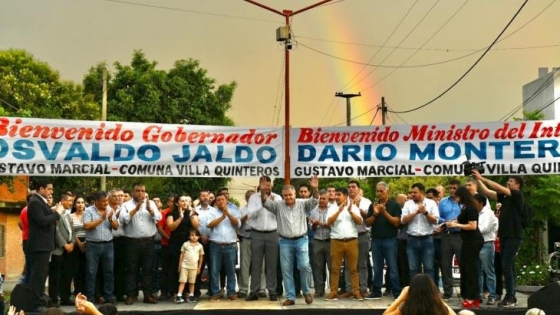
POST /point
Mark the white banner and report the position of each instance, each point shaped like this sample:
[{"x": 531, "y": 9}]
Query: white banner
[
  {"x": 506, "y": 148},
  {"x": 94, "y": 148}
]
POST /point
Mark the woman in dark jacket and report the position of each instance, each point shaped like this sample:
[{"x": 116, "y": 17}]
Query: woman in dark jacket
[
  {"x": 467, "y": 221},
  {"x": 180, "y": 220}
]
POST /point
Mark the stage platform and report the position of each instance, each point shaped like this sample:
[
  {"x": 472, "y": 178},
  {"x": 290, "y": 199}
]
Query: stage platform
[{"x": 264, "y": 306}]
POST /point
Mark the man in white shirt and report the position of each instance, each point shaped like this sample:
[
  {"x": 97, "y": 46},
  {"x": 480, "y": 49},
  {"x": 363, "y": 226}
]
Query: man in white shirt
[
  {"x": 344, "y": 221},
  {"x": 421, "y": 214}
]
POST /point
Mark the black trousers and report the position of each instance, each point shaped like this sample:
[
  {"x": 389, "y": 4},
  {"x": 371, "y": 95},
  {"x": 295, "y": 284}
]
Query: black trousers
[
  {"x": 140, "y": 252},
  {"x": 39, "y": 273},
  {"x": 121, "y": 262},
  {"x": 402, "y": 262},
  {"x": 55, "y": 268},
  {"x": 468, "y": 267}
]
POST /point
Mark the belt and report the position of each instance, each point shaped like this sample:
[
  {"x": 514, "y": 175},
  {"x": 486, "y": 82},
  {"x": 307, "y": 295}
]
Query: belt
[
  {"x": 100, "y": 242},
  {"x": 362, "y": 233},
  {"x": 259, "y": 231},
  {"x": 488, "y": 242},
  {"x": 293, "y": 238},
  {"x": 325, "y": 240},
  {"x": 345, "y": 239},
  {"x": 222, "y": 244},
  {"x": 452, "y": 232},
  {"x": 420, "y": 237}
]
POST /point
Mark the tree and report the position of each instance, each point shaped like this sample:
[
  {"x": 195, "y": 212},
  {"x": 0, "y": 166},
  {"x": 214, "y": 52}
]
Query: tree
[
  {"x": 140, "y": 92},
  {"x": 31, "y": 88}
]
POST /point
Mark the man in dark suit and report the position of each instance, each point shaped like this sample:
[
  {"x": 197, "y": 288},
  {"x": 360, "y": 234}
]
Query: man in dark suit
[{"x": 41, "y": 238}]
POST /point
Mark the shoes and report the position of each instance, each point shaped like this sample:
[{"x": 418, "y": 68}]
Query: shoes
[
  {"x": 232, "y": 297},
  {"x": 298, "y": 295},
  {"x": 214, "y": 298},
  {"x": 498, "y": 297},
  {"x": 373, "y": 296},
  {"x": 101, "y": 300},
  {"x": 192, "y": 299},
  {"x": 273, "y": 297},
  {"x": 332, "y": 297},
  {"x": 129, "y": 300},
  {"x": 179, "y": 299},
  {"x": 447, "y": 297},
  {"x": 319, "y": 294},
  {"x": 471, "y": 304},
  {"x": 308, "y": 298},
  {"x": 262, "y": 294},
  {"x": 346, "y": 295},
  {"x": 507, "y": 303},
  {"x": 491, "y": 301},
  {"x": 150, "y": 299},
  {"x": 387, "y": 293},
  {"x": 252, "y": 297},
  {"x": 111, "y": 300},
  {"x": 242, "y": 295},
  {"x": 341, "y": 291},
  {"x": 288, "y": 303},
  {"x": 358, "y": 297}
]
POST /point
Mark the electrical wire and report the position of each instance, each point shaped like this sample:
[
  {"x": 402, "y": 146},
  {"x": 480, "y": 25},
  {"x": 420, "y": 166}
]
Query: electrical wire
[
  {"x": 473, "y": 52},
  {"x": 398, "y": 116},
  {"x": 329, "y": 108},
  {"x": 402, "y": 41},
  {"x": 356, "y": 117},
  {"x": 550, "y": 80},
  {"x": 279, "y": 93},
  {"x": 547, "y": 105},
  {"x": 8, "y": 104},
  {"x": 338, "y": 100},
  {"x": 373, "y": 119},
  {"x": 153, "y": 6},
  {"x": 385, "y": 42},
  {"x": 470, "y": 69}
]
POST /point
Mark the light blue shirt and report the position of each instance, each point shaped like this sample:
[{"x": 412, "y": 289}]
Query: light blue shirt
[
  {"x": 449, "y": 210},
  {"x": 224, "y": 232}
]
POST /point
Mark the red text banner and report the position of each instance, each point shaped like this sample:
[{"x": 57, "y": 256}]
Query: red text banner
[
  {"x": 93, "y": 148},
  {"x": 504, "y": 148}
]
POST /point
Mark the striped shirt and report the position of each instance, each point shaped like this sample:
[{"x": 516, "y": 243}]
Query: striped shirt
[
  {"x": 292, "y": 221},
  {"x": 321, "y": 232},
  {"x": 102, "y": 232}
]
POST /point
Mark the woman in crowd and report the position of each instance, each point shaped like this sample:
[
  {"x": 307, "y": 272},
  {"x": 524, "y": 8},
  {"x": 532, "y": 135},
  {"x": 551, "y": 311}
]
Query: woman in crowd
[
  {"x": 180, "y": 220},
  {"x": 421, "y": 297},
  {"x": 467, "y": 221},
  {"x": 79, "y": 252}
]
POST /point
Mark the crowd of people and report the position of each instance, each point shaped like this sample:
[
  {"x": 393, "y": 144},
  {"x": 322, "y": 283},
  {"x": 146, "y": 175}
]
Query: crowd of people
[{"x": 114, "y": 244}]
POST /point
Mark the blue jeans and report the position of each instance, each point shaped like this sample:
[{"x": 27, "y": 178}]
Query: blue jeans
[
  {"x": 384, "y": 251},
  {"x": 298, "y": 249},
  {"x": 509, "y": 248},
  {"x": 420, "y": 251},
  {"x": 486, "y": 266},
  {"x": 96, "y": 252},
  {"x": 226, "y": 254}
]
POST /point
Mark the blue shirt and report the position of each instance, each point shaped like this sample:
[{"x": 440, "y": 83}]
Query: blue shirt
[
  {"x": 448, "y": 211},
  {"x": 223, "y": 232}
]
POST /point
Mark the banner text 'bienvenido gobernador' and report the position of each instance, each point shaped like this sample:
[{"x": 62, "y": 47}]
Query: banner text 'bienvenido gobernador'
[
  {"x": 92, "y": 148},
  {"x": 528, "y": 147}
]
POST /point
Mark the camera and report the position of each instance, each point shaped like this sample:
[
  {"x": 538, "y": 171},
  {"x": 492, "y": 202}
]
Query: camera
[{"x": 469, "y": 167}]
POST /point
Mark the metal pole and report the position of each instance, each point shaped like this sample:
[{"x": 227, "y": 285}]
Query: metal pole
[
  {"x": 287, "y": 14},
  {"x": 103, "y": 183}
]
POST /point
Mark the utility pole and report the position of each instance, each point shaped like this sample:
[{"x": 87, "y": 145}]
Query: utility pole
[
  {"x": 104, "y": 118},
  {"x": 348, "y": 96},
  {"x": 286, "y": 38},
  {"x": 383, "y": 110}
]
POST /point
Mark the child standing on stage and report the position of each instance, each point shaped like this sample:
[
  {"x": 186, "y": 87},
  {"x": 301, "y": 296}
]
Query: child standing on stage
[{"x": 190, "y": 264}]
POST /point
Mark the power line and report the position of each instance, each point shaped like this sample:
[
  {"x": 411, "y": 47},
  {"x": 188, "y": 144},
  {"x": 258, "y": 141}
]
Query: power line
[
  {"x": 153, "y": 6},
  {"x": 379, "y": 50},
  {"x": 356, "y": 117},
  {"x": 547, "y": 105},
  {"x": 424, "y": 44},
  {"x": 373, "y": 119},
  {"x": 399, "y": 116},
  {"x": 550, "y": 80},
  {"x": 402, "y": 41},
  {"x": 470, "y": 69},
  {"x": 8, "y": 104}
]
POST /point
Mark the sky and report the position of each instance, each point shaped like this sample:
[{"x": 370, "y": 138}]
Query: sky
[{"x": 379, "y": 48}]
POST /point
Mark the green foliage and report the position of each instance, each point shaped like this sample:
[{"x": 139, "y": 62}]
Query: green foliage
[
  {"x": 140, "y": 92},
  {"x": 531, "y": 274},
  {"x": 401, "y": 185},
  {"x": 31, "y": 88}
]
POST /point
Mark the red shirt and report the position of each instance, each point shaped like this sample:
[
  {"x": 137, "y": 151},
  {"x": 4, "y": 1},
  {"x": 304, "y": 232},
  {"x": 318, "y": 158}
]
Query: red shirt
[
  {"x": 24, "y": 224},
  {"x": 163, "y": 224}
]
